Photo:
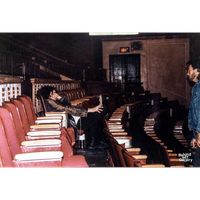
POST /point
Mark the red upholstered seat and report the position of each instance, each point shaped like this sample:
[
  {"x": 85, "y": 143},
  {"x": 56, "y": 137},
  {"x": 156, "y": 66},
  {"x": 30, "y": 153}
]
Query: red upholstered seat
[
  {"x": 15, "y": 146},
  {"x": 28, "y": 109},
  {"x": 21, "y": 134},
  {"x": 7, "y": 159},
  {"x": 31, "y": 116},
  {"x": 24, "y": 119}
]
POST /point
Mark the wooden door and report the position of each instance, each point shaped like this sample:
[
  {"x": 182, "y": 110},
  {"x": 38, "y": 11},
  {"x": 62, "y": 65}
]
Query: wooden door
[{"x": 125, "y": 68}]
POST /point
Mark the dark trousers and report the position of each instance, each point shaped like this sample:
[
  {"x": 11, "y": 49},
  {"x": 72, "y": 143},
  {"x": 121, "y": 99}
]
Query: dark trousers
[
  {"x": 196, "y": 161},
  {"x": 91, "y": 121}
]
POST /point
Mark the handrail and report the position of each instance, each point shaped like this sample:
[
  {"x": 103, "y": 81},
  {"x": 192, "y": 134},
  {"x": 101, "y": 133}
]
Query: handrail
[
  {"x": 34, "y": 50},
  {"x": 70, "y": 70}
]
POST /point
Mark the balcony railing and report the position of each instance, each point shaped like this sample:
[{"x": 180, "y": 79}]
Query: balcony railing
[{"x": 10, "y": 87}]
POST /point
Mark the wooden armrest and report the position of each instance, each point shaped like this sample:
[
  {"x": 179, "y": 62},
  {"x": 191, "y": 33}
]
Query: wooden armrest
[
  {"x": 158, "y": 141},
  {"x": 153, "y": 165},
  {"x": 78, "y": 101},
  {"x": 85, "y": 98},
  {"x": 115, "y": 126},
  {"x": 115, "y": 118},
  {"x": 56, "y": 113},
  {"x": 119, "y": 114},
  {"x": 41, "y": 142},
  {"x": 42, "y": 133},
  {"x": 125, "y": 141},
  {"x": 39, "y": 126},
  {"x": 139, "y": 157},
  {"x": 148, "y": 127},
  {"x": 119, "y": 133},
  {"x": 116, "y": 130},
  {"x": 175, "y": 160},
  {"x": 46, "y": 121},
  {"x": 75, "y": 104},
  {"x": 150, "y": 119},
  {"x": 178, "y": 127},
  {"x": 123, "y": 137},
  {"x": 113, "y": 123},
  {"x": 50, "y": 117},
  {"x": 39, "y": 155},
  {"x": 133, "y": 149}
]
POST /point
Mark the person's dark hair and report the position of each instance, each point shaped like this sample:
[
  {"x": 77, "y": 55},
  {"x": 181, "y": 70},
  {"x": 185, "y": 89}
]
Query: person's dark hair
[
  {"x": 194, "y": 62},
  {"x": 195, "y": 65},
  {"x": 45, "y": 91}
]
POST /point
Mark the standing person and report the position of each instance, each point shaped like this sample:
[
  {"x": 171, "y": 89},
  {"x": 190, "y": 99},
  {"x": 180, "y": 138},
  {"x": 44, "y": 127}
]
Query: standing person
[
  {"x": 89, "y": 117},
  {"x": 193, "y": 74}
]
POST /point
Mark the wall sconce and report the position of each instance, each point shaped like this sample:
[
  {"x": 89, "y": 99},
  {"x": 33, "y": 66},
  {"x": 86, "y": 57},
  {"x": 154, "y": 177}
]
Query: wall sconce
[{"x": 124, "y": 49}]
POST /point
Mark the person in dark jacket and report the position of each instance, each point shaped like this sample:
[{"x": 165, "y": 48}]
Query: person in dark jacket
[
  {"x": 193, "y": 74},
  {"x": 89, "y": 117}
]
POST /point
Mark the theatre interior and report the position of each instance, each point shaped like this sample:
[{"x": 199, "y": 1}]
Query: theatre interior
[{"x": 141, "y": 77}]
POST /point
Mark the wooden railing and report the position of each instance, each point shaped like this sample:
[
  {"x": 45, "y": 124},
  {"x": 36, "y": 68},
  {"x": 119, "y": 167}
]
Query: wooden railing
[
  {"x": 91, "y": 87},
  {"x": 10, "y": 87}
]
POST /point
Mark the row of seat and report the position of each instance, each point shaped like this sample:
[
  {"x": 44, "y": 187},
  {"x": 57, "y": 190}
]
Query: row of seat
[
  {"x": 184, "y": 139},
  {"x": 120, "y": 145},
  {"x": 178, "y": 133},
  {"x": 28, "y": 141},
  {"x": 149, "y": 128},
  {"x": 79, "y": 98},
  {"x": 115, "y": 99},
  {"x": 146, "y": 104}
]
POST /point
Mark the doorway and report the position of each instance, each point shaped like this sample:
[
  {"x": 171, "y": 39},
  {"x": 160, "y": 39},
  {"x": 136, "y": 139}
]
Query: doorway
[{"x": 125, "y": 68}]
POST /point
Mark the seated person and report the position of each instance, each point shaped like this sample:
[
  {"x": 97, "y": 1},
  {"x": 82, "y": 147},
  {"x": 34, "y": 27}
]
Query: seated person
[{"x": 89, "y": 117}]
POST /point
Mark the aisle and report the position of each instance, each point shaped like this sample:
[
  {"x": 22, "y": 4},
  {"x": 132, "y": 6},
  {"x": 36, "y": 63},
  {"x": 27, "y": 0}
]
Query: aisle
[{"x": 94, "y": 158}]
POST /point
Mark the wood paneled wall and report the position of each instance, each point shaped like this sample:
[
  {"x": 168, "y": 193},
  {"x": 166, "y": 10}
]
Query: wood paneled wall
[{"x": 162, "y": 64}]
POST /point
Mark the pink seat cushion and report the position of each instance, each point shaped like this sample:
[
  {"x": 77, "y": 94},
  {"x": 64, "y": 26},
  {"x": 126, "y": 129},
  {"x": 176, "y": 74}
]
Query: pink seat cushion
[{"x": 74, "y": 161}]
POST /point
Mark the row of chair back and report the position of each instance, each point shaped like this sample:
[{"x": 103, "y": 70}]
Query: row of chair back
[
  {"x": 115, "y": 150},
  {"x": 74, "y": 94},
  {"x": 145, "y": 107},
  {"x": 16, "y": 118},
  {"x": 123, "y": 157}
]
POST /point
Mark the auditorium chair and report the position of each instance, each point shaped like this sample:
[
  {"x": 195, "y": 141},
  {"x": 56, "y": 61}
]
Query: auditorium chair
[
  {"x": 120, "y": 136},
  {"x": 81, "y": 136},
  {"x": 10, "y": 133},
  {"x": 153, "y": 150},
  {"x": 119, "y": 147},
  {"x": 78, "y": 98},
  {"x": 21, "y": 134},
  {"x": 75, "y": 101},
  {"x": 29, "y": 108},
  {"x": 166, "y": 140},
  {"x": 130, "y": 161},
  {"x": 19, "y": 115},
  {"x": 118, "y": 158},
  {"x": 120, "y": 140}
]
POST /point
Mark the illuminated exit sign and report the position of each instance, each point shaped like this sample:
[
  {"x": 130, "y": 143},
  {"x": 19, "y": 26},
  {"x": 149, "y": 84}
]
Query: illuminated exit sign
[{"x": 112, "y": 32}]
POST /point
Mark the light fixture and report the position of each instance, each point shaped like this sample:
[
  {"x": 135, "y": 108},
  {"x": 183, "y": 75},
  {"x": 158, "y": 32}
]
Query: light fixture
[{"x": 112, "y": 33}]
